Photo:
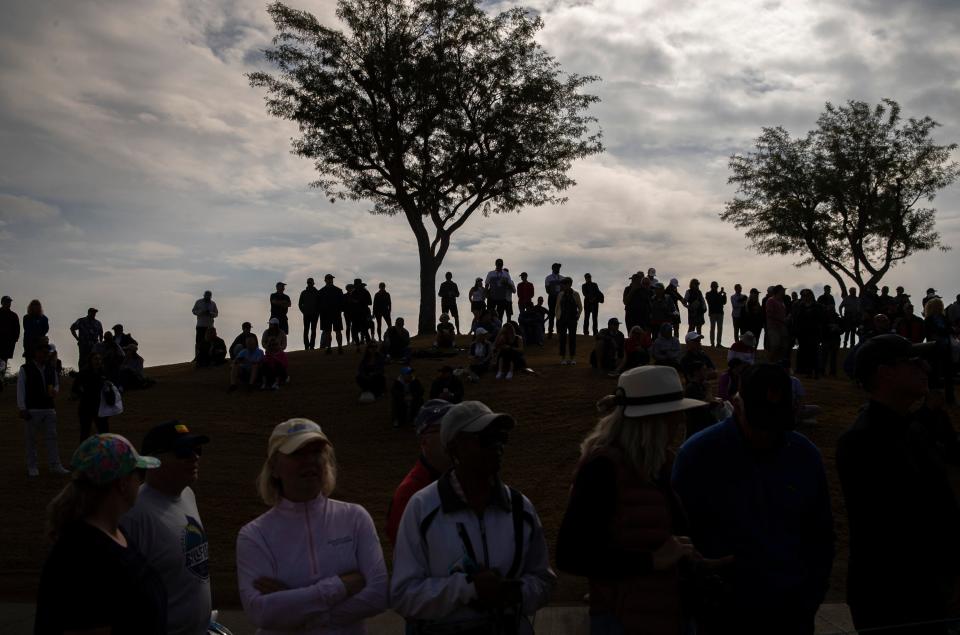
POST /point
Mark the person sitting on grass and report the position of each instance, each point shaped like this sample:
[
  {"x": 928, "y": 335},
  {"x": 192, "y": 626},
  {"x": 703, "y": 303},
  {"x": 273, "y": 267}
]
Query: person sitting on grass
[
  {"x": 406, "y": 397},
  {"x": 608, "y": 351},
  {"x": 532, "y": 322},
  {"x": 447, "y": 386},
  {"x": 636, "y": 350},
  {"x": 694, "y": 354},
  {"x": 728, "y": 383},
  {"x": 488, "y": 322},
  {"x": 274, "y": 332},
  {"x": 481, "y": 354},
  {"x": 666, "y": 348},
  {"x": 446, "y": 334},
  {"x": 212, "y": 351},
  {"x": 131, "y": 370},
  {"x": 396, "y": 342},
  {"x": 275, "y": 365},
  {"x": 696, "y": 388},
  {"x": 508, "y": 348},
  {"x": 370, "y": 374},
  {"x": 246, "y": 365},
  {"x": 240, "y": 341},
  {"x": 744, "y": 349}
]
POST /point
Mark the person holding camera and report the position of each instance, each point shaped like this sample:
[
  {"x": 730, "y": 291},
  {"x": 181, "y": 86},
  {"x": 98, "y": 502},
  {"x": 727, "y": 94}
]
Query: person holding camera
[
  {"x": 716, "y": 300},
  {"x": 470, "y": 555},
  {"x": 624, "y": 527},
  {"x": 206, "y": 311}
]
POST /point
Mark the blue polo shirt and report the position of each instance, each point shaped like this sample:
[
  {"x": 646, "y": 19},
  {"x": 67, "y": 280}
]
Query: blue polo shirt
[{"x": 770, "y": 511}]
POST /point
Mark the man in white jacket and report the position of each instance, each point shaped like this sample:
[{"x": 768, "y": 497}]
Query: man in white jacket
[{"x": 470, "y": 552}]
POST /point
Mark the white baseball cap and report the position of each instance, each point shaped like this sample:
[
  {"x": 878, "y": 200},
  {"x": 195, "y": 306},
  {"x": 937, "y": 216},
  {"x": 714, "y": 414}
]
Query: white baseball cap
[
  {"x": 692, "y": 336},
  {"x": 292, "y": 434}
]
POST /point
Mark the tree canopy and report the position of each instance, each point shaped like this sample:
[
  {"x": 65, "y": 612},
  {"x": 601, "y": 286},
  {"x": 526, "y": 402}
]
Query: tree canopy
[
  {"x": 849, "y": 195},
  {"x": 432, "y": 109}
]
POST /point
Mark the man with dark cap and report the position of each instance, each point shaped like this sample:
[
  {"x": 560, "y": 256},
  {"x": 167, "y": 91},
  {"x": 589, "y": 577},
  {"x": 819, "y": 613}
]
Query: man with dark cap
[
  {"x": 240, "y": 341},
  {"x": 449, "y": 292},
  {"x": 904, "y": 517},
  {"x": 756, "y": 490},
  {"x": 358, "y": 303},
  {"x": 552, "y": 285},
  {"x": 9, "y": 333},
  {"x": 331, "y": 314},
  {"x": 592, "y": 297},
  {"x": 88, "y": 331},
  {"x": 279, "y": 304},
  {"x": 309, "y": 305},
  {"x": 165, "y": 527},
  {"x": 432, "y": 463}
]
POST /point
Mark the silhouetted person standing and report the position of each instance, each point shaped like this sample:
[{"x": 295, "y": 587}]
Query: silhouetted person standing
[
  {"x": 9, "y": 331},
  {"x": 279, "y": 304},
  {"x": 449, "y": 292},
  {"x": 331, "y": 310},
  {"x": 592, "y": 297},
  {"x": 88, "y": 331},
  {"x": 382, "y": 308},
  {"x": 309, "y": 305},
  {"x": 206, "y": 311},
  {"x": 904, "y": 516},
  {"x": 552, "y": 286}
]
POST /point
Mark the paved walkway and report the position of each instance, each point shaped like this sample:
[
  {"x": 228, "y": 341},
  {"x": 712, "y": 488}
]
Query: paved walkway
[{"x": 833, "y": 619}]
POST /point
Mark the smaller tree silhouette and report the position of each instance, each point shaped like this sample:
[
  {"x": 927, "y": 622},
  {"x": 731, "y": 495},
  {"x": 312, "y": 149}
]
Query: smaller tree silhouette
[{"x": 848, "y": 196}]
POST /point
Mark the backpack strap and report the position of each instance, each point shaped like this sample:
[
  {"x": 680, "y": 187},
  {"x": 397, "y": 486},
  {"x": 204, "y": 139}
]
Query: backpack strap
[{"x": 516, "y": 507}]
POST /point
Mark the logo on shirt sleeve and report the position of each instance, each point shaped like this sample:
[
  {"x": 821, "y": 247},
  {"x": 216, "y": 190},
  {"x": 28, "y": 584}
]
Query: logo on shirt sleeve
[{"x": 196, "y": 551}]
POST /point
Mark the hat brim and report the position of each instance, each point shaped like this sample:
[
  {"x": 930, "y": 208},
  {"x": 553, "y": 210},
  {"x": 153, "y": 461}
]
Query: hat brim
[
  {"x": 663, "y": 408},
  {"x": 296, "y": 442},
  {"x": 483, "y": 422},
  {"x": 147, "y": 462}
]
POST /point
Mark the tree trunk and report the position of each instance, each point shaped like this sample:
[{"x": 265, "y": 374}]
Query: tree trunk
[{"x": 427, "y": 323}]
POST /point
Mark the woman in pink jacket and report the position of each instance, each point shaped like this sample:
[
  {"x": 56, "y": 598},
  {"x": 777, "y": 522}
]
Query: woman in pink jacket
[{"x": 310, "y": 564}]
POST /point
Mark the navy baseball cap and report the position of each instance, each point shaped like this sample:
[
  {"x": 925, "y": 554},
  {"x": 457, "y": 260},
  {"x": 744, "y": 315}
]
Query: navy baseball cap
[{"x": 430, "y": 415}]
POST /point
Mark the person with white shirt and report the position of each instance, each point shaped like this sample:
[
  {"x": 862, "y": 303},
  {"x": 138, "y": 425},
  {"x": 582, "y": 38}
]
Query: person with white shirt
[
  {"x": 310, "y": 564},
  {"x": 499, "y": 287},
  {"x": 206, "y": 311},
  {"x": 470, "y": 555}
]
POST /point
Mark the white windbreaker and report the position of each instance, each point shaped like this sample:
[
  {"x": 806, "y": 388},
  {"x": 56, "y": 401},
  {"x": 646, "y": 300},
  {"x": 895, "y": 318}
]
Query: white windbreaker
[{"x": 437, "y": 533}]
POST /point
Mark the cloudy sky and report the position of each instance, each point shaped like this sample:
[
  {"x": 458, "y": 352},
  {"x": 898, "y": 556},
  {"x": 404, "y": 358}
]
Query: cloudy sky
[{"x": 139, "y": 168}]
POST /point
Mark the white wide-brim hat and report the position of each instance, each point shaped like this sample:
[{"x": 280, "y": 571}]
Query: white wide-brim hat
[{"x": 653, "y": 390}]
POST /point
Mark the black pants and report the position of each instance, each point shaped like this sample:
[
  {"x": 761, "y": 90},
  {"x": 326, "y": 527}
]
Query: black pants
[
  {"x": 360, "y": 326},
  {"x": 88, "y": 418},
  {"x": 201, "y": 337},
  {"x": 284, "y": 324},
  {"x": 552, "y": 311},
  {"x": 310, "y": 330},
  {"x": 588, "y": 311},
  {"x": 382, "y": 316},
  {"x": 567, "y": 332}
]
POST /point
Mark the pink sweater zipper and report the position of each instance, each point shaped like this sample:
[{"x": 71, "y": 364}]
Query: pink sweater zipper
[{"x": 313, "y": 554}]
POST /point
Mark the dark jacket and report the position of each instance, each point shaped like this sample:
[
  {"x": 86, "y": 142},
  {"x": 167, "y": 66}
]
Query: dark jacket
[
  {"x": 309, "y": 302},
  {"x": 614, "y": 522},
  {"x": 34, "y": 385},
  {"x": 771, "y": 512},
  {"x": 9, "y": 332},
  {"x": 331, "y": 300},
  {"x": 716, "y": 301},
  {"x": 904, "y": 521}
]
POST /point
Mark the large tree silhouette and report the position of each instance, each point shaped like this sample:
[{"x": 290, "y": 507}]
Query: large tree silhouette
[
  {"x": 848, "y": 196},
  {"x": 432, "y": 109}
]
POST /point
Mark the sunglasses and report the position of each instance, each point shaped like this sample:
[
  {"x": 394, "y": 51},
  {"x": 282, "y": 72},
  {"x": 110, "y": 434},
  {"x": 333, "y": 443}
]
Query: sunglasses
[
  {"x": 188, "y": 452},
  {"x": 491, "y": 436}
]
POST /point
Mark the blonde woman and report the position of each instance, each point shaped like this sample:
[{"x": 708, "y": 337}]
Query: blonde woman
[
  {"x": 624, "y": 527},
  {"x": 310, "y": 564}
]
